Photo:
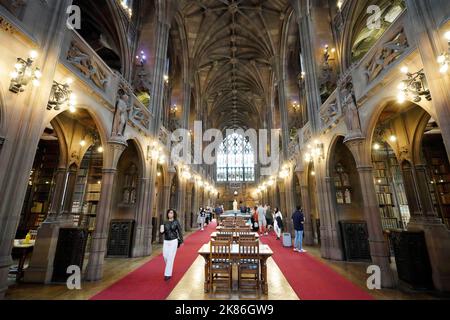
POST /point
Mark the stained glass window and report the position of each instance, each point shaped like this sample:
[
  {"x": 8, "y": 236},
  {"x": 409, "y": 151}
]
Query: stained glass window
[{"x": 236, "y": 160}]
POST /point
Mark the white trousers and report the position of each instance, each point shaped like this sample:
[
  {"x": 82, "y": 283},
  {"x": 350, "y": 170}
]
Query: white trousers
[
  {"x": 277, "y": 229},
  {"x": 169, "y": 253}
]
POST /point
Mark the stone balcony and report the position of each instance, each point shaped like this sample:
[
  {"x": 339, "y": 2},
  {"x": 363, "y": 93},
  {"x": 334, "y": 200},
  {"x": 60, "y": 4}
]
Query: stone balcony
[{"x": 79, "y": 58}]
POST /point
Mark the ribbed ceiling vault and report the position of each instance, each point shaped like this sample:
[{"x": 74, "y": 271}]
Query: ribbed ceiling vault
[{"x": 232, "y": 44}]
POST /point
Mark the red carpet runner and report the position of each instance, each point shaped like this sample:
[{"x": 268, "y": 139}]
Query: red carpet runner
[
  {"x": 147, "y": 282},
  {"x": 310, "y": 278}
]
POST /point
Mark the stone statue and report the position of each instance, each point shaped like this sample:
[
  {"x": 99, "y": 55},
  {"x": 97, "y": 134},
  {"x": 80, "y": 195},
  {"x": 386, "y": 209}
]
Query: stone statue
[
  {"x": 121, "y": 115},
  {"x": 351, "y": 113}
]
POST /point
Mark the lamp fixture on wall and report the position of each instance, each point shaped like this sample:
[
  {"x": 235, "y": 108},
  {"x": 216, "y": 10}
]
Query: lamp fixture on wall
[
  {"x": 60, "y": 95},
  {"x": 24, "y": 74},
  {"x": 444, "y": 59},
  {"x": 315, "y": 151},
  {"x": 414, "y": 85}
]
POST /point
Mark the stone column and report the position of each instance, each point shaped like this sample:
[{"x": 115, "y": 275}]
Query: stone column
[
  {"x": 143, "y": 210},
  {"x": 113, "y": 151},
  {"x": 25, "y": 127},
  {"x": 378, "y": 245},
  {"x": 166, "y": 204},
  {"x": 330, "y": 240},
  {"x": 165, "y": 12},
  {"x": 423, "y": 25},
  {"x": 309, "y": 234},
  {"x": 305, "y": 25},
  {"x": 188, "y": 209},
  {"x": 379, "y": 249},
  {"x": 181, "y": 202}
]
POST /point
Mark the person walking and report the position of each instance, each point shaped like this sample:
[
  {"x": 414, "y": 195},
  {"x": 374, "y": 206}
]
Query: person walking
[
  {"x": 201, "y": 218},
  {"x": 262, "y": 222},
  {"x": 173, "y": 238},
  {"x": 278, "y": 223},
  {"x": 298, "y": 219}
]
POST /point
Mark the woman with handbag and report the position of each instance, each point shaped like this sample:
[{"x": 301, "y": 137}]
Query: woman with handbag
[{"x": 173, "y": 238}]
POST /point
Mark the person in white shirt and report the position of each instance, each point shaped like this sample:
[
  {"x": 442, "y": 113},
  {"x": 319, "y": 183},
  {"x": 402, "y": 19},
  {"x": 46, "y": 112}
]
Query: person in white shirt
[
  {"x": 278, "y": 222},
  {"x": 262, "y": 222}
]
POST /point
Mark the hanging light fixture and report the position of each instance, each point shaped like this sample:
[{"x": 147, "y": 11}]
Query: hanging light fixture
[
  {"x": 61, "y": 94},
  {"x": 413, "y": 86},
  {"x": 444, "y": 58},
  {"x": 23, "y": 74}
]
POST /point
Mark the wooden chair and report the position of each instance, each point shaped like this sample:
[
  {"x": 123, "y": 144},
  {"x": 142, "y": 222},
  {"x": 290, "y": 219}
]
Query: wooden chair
[
  {"x": 241, "y": 223},
  {"x": 228, "y": 223},
  {"x": 243, "y": 231},
  {"x": 249, "y": 269},
  {"x": 225, "y": 237},
  {"x": 221, "y": 265},
  {"x": 244, "y": 237}
]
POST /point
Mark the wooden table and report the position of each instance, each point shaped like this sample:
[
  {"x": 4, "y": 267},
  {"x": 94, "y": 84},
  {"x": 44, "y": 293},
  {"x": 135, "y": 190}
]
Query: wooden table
[
  {"x": 235, "y": 235},
  {"x": 24, "y": 249},
  {"x": 264, "y": 252}
]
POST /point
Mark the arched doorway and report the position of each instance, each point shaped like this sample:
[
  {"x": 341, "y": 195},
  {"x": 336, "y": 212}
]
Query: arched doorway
[
  {"x": 348, "y": 200},
  {"x": 124, "y": 215},
  {"x": 63, "y": 194},
  {"x": 411, "y": 184}
]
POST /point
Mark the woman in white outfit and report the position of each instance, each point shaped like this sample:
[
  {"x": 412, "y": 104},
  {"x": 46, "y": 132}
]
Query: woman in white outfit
[
  {"x": 173, "y": 238},
  {"x": 278, "y": 222}
]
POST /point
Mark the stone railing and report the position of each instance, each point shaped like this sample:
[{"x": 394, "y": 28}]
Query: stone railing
[
  {"x": 387, "y": 54},
  {"x": 87, "y": 66},
  {"x": 305, "y": 134},
  {"x": 330, "y": 112}
]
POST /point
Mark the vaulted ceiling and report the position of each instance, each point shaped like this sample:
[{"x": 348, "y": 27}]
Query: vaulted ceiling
[{"x": 232, "y": 45}]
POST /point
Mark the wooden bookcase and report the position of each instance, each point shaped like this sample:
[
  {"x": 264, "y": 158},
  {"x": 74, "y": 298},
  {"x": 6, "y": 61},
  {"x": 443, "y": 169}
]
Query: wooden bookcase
[
  {"x": 439, "y": 172},
  {"x": 87, "y": 190},
  {"x": 390, "y": 189}
]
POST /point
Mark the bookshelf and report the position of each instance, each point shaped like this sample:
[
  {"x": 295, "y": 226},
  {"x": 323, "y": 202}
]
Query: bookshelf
[
  {"x": 87, "y": 190},
  {"x": 40, "y": 186},
  {"x": 342, "y": 185},
  {"x": 439, "y": 172},
  {"x": 390, "y": 189}
]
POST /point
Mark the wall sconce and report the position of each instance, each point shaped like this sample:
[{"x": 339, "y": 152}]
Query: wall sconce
[
  {"x": 296, "y": 106},
  {"x": 24, "y": 73},
  {"x": 166, "y": 78},
  {"x": 141, "y": 58},
  {"x": 444, "y": 59},
  {"x": 315, "y": 152},
  {"x": 415, "y": 86},
  {"x": 60, "y": 95},
  {"x": 339, "y": 4},
  {"x": 174, "y": 109},
  {"x": 154, "y": 152},
  {"x": 127, "y": 9}
]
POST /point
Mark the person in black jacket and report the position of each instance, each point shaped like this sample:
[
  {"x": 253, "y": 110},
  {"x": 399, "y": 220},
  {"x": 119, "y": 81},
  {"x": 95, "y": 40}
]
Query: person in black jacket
[
  {"x": 298, "y": 218},
  {"x": 173, "y": 238}
]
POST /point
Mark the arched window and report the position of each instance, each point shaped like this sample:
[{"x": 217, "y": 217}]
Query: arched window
[{"x": 236, "y": 160}]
